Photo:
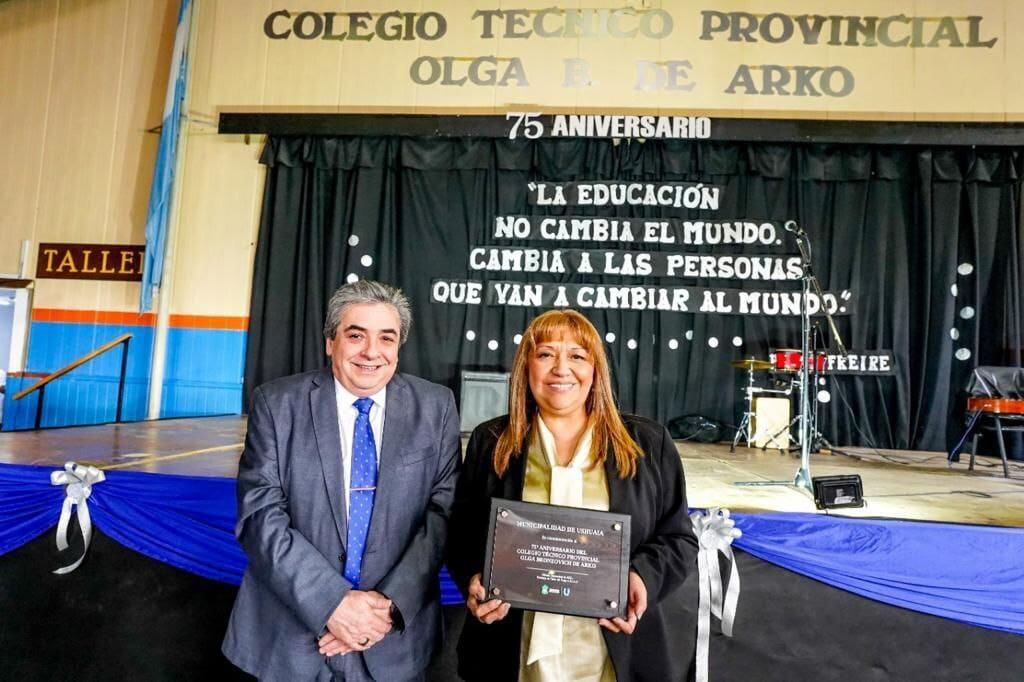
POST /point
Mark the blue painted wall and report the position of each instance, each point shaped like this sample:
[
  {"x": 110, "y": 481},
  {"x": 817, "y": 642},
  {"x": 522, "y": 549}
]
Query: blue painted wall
[{"x": 203, "y": 374}]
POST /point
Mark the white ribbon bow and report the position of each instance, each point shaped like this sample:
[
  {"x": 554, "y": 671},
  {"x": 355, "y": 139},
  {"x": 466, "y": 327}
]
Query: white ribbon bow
[
  {"x": 79, "y": 481},
  {"x": 715, "y": 532}
]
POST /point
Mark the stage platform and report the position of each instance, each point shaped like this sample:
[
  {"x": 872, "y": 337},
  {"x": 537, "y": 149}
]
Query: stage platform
[{"x": 900, "y": 484}]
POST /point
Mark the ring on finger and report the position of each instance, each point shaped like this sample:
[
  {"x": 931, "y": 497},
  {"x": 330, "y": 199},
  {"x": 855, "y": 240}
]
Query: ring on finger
[{"x": 366, "y": 640}]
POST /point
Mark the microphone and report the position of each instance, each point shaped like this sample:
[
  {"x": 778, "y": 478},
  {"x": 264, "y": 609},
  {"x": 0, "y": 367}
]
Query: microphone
[{"x": 791, "y": 226}]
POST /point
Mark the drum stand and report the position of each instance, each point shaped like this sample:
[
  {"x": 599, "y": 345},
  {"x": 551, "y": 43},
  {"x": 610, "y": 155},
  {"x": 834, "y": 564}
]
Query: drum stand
[
  {"x": 744, "y": 429},
  {"x": 805, "y": 429},
  {"x": 784, "y": 429},
  {"x": 743, "y": 432}
]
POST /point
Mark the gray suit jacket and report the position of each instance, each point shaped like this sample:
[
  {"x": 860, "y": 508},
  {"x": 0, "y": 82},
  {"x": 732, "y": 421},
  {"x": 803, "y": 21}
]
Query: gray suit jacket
[{"x": 292, "y": 526}]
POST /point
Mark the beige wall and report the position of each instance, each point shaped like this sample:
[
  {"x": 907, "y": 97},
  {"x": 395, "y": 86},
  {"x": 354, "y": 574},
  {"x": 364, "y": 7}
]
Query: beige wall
[
  {"x": 220, "y": 212},
  {"x": 81, "y": 84}
]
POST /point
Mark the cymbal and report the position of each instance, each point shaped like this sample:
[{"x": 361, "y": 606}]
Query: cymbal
[{"x": 751, "y": 364}]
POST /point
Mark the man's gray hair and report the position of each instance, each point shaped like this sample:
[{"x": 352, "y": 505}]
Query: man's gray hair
[{"x": 367, "y": 291}]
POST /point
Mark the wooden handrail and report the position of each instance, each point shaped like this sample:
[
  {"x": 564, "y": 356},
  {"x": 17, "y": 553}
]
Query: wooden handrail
[{"x": 74, "y": 365}]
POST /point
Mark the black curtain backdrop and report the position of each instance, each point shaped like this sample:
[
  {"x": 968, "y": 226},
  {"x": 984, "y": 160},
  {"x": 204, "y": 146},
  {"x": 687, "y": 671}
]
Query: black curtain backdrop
[{"x": 898, "y": 227}]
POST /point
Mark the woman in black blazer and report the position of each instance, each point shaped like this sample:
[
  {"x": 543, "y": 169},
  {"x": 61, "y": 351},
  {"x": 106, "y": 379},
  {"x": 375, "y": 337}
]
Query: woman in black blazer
[{"x": 561, "y": 405}]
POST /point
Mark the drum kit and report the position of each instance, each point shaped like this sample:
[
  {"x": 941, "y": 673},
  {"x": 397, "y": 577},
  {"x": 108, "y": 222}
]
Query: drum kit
[{"x": 759, "y": 426}]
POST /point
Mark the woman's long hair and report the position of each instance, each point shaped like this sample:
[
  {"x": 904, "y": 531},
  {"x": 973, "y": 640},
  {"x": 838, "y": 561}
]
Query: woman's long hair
[{"x": 608, "y": 430}]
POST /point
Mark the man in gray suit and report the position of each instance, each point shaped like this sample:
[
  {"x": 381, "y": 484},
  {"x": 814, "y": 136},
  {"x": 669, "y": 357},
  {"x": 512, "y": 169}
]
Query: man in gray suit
[{"x": 344, "y": 492}]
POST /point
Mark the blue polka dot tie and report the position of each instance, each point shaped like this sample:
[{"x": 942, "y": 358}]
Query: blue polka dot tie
[{"x": 361, "y": 488}]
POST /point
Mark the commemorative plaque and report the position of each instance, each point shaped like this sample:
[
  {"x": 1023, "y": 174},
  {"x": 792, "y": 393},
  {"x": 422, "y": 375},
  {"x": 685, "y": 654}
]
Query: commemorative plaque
[{"x": 567, "y": 560}]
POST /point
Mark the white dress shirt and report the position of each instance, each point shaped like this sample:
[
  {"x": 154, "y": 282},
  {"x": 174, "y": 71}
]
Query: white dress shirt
[{"x": 347, "y": 413}]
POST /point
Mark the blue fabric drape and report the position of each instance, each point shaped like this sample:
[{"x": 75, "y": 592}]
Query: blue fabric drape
[
  {"x": 28, "y": 504},
  {"x": 185, "y": 521},
  {"x": 972, "y": 574}
]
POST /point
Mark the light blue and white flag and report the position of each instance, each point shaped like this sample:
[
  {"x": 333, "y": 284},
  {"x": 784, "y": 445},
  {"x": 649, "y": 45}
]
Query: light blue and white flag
[{"x": 166, "y": 158}]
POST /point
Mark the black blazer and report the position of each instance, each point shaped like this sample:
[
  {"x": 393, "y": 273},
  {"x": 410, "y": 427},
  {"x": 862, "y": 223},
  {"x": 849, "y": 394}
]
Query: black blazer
[{"x": 663, "y": 550}]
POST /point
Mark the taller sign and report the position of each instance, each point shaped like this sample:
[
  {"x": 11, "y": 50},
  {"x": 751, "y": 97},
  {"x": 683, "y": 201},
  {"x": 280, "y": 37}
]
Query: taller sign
[{"x": 112, "y": 262}]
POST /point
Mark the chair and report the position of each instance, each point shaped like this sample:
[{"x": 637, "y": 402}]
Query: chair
[{"x": 996, "y": 396}]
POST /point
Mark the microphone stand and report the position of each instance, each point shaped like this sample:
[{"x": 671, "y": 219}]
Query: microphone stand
[
  {"x": 804, "y": 245},
  {"x": 803, "y": 474},
  {"x": 805, "y": 429}
]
